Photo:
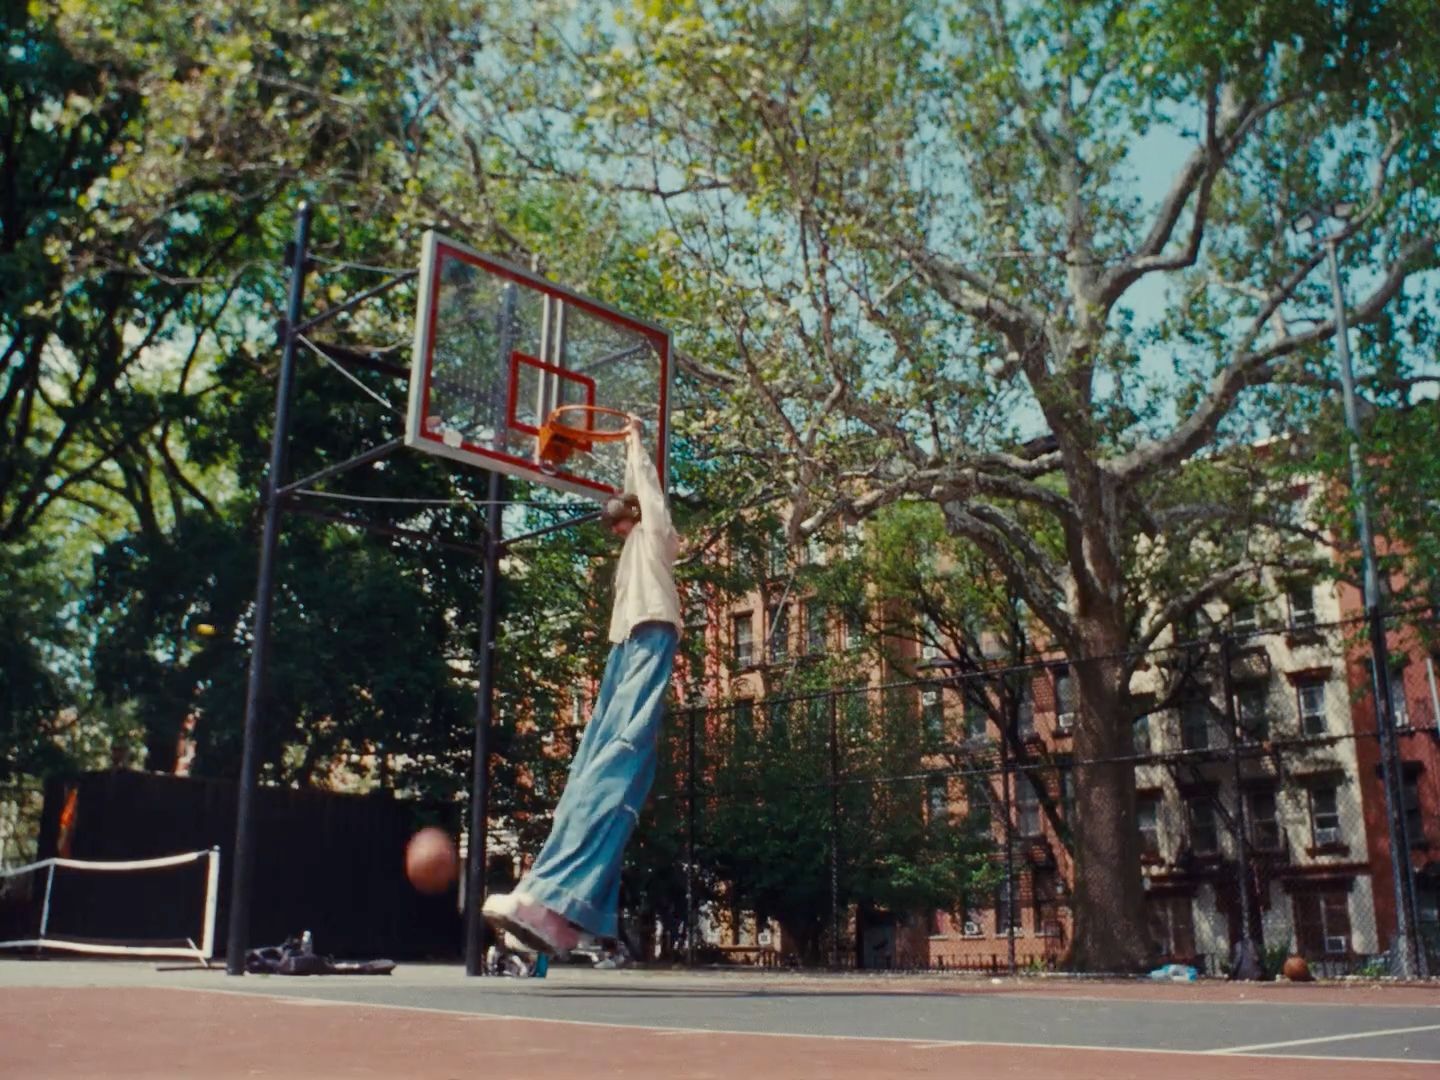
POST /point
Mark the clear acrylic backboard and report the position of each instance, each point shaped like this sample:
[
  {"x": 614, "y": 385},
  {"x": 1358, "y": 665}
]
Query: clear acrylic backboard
[{"x": 497, "y": 349}]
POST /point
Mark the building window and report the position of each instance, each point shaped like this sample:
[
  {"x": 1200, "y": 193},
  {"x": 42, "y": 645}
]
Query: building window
[
  {"x": 978, "y": 803},
  {"x": 992, "y": 645},
  {"x": 1311, "y": 697},
  {"x": 1067, "y": 790},
  {"x": 1172, "y": 926},
  {"x": 969, "y": 919},
  {"x": 696, "y": 612},
  {"x": 778, "y": 642},
  {"x": 1140, "y": 734},
  {"x": 1264, "y": 821},
  {"x": 1204, "y": 835},
  {"x": 744, "y": 717},
  {"x": 778, "y": 555},
  {"x": 1067, "y": 701},
  {"x": 1325, "y": 815},
  {"x": 1427, "y": 903},
  {"x": 1252, "y": 707},
  {"x": 1301, "y": 599},
  {"x": 1027, "y": 805},
  {"x": 1322, "y": 923},
  {"x": 1398, "y": 704},
  {"x": 977, "y": 720},
  {"x": 937, "y": 799},
  {"x": 815, "y": 627},
  {"x": 855, "y": 712},
  {"x": 1410, "y": 801},
  {"x": 778, "y": 711},
  {"x": 932, "y": 714},
  {"x": 929, "y": 636},
  {"x": 1025, "y": 711},
  {"x": 1147, "y": 820},
  {"x": 1046, "y": 893},
  {"x": 817, "y": 718},
  {"x": 1007, "y": 911},
  {"x": 1245, "y": 617},
  {"x": 743, "y": 631},
  {"x": 854, "y": 629},
  {"x": 1195, "y": 724}
]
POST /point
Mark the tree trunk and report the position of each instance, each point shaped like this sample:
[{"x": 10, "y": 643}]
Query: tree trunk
[
  {"x": 162, "y": 748},
  {"x": 1111, "y": 931}
]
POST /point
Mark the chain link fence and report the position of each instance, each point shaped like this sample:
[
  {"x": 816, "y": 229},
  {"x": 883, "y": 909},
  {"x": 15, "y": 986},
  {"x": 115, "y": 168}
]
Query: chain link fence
[{"x": 928, "y": 824}]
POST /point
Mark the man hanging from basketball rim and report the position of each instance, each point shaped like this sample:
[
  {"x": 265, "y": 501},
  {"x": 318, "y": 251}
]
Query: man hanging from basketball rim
[{"x": 573, "y": 888}]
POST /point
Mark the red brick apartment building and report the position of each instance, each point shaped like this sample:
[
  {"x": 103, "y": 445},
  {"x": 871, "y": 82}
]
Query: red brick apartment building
[
  {"x": 1317, "y": 857},
  {"x": 1415, "y": 694}
]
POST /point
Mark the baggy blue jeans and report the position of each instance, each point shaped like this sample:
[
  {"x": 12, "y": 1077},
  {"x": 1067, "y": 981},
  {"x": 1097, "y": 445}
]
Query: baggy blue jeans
[{"x": 577, "y": 872}]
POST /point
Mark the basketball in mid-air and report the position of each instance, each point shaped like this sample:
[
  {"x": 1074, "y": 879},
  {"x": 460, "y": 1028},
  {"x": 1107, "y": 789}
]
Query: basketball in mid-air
[{"x": 431, "y": 861}]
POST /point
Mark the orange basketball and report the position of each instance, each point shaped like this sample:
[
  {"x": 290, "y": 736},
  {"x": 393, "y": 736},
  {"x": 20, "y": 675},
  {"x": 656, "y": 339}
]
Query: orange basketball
[
  {"x": 431, "y": 862},
  {"x": 1296, "y": 969}
]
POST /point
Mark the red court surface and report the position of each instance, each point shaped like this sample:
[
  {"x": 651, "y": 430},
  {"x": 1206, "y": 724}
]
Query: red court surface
[{"x": 108, "y": 1020}]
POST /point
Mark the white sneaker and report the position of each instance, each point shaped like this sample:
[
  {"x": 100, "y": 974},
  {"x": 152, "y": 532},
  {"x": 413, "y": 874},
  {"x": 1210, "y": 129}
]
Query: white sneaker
[{"x": 531, "y": 922}]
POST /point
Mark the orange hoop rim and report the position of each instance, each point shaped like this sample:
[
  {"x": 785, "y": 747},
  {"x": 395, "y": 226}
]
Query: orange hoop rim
[{"x": 592, "y": 434}]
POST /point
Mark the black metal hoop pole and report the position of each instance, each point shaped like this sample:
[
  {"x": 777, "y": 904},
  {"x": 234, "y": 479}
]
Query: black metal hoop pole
[{"x": 238, "y": 939}]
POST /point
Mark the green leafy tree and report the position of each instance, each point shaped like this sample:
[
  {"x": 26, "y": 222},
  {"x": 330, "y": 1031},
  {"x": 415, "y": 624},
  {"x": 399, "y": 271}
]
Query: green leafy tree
[
  {"x": 154, "y": 162},
  {"x": 1402, "y": 476},
  {"x": 32, "y": 687},
  {"x": 920, "y": 233},
  {"x": 821, "y": 775},
  {"x": 145, "y": 155}
]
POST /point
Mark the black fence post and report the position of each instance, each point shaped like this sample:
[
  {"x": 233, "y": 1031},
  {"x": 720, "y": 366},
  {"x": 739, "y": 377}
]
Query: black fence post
[
  {"x": 1408, "y": 955},
  {"x": 690, "y": 919},
  {"x": 834, "y": 832},
  {"x": 1244, "y": 962},
  {"x": 484, "y": 715},
  {"x": 1007, "y": 780},
  {"x": 244, "y": 854}
]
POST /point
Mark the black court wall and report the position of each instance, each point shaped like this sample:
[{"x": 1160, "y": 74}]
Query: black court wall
[{"x": 329, "y": 863}]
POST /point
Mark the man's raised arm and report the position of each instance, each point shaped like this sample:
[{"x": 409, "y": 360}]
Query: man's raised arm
[{"x": 642, "y": 478}]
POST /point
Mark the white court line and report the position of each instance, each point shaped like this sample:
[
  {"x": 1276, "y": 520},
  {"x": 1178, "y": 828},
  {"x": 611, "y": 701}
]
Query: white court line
[
  {"x": 914, "y": 1043},
  {"x": 1325, "y": 1038}
]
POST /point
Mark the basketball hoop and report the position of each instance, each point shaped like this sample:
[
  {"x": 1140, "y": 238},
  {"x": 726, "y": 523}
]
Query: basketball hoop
[{"x": 559, "y": 440}]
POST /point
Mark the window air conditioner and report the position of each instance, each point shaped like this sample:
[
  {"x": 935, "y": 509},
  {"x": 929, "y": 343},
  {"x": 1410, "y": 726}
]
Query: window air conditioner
[
  {"x": 971, "y": 929},
  {"x": 1065, "y": 721},
  {"x": 1326, "y": 836}
]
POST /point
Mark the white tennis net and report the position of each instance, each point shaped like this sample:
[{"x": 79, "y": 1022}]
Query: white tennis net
[{"x": 137, "y": 907}]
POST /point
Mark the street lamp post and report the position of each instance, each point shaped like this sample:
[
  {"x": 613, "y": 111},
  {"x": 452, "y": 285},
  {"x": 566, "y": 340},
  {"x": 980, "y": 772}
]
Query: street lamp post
[{"x": 1409, "y": 961}]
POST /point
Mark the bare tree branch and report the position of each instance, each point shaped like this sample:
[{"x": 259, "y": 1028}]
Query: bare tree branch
[
  {"x": 1027, "y": 570},
  {"x": 1254, "y": 368}
]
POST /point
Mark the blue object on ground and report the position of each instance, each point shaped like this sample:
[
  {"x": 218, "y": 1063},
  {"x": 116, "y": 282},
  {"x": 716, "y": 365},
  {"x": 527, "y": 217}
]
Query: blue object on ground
[{"x": 1175, "y": 973}]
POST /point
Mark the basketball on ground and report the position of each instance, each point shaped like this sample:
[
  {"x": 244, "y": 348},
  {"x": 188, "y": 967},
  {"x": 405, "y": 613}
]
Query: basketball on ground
[{"x": 431, "y": 862}]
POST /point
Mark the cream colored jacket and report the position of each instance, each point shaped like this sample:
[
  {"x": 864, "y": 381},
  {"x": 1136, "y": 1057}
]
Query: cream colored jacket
[{"x": 645, "y": 578}]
